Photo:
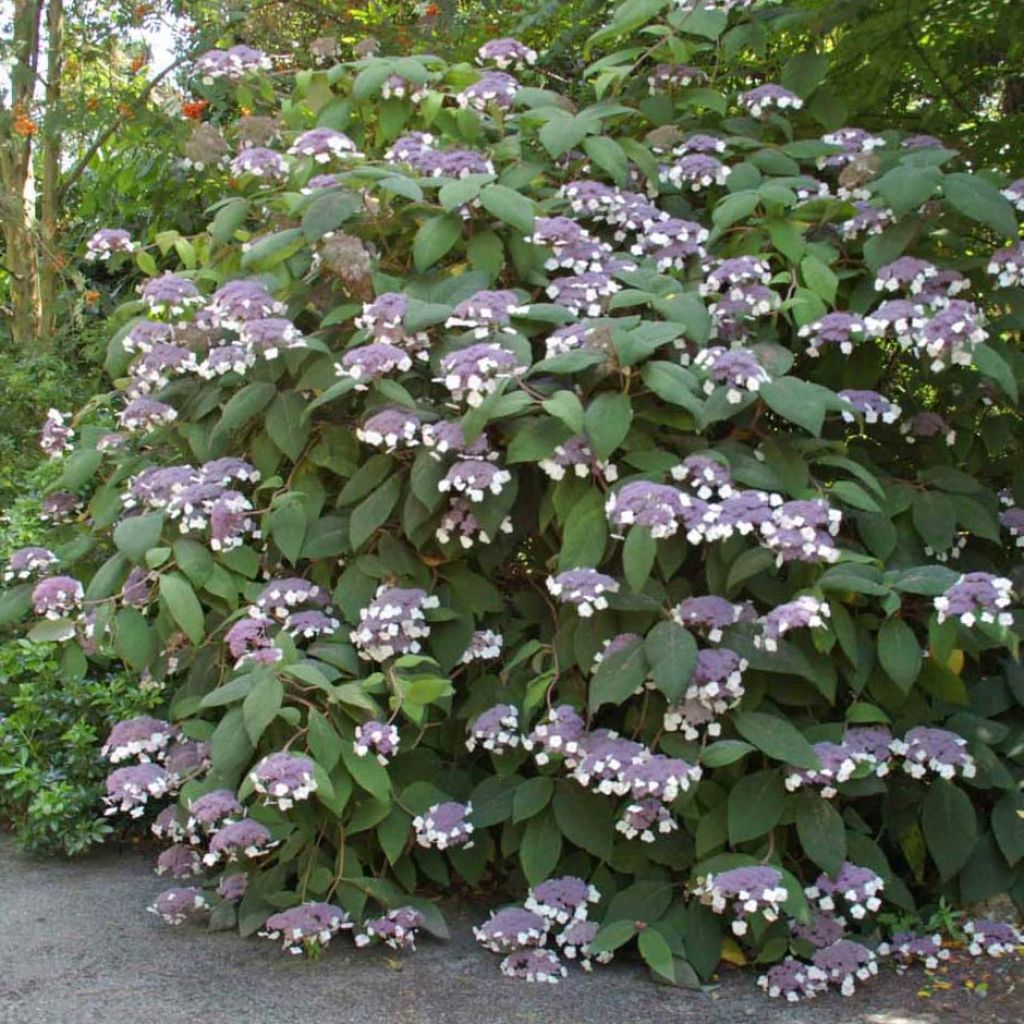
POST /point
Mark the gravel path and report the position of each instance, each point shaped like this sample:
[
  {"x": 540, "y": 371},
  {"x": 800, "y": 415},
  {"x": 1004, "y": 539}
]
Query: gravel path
[{"x": 77, "y": 947}]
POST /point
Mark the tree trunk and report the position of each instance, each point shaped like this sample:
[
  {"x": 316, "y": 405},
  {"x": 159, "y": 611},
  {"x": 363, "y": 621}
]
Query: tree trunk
[
  {"x": 49, "y": 268},
  {"x": 18, "y": 202}
]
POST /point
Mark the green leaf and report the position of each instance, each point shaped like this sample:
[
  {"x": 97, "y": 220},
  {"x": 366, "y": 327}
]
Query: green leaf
[
  {"x": 531, "y": 797},
  {"x": 612, "y": 936},
  {"x": 261, "y": 706},
  {"x": 509, "y": 206},
  {"x": 287, "y": 424},
  {"x": 270, "y": 250},
  {"x": 567, "y": 407},
  {"x": 288, "y": 525},
  {"x": 194, "y": 560},
  {"x": 673, "y": 384},
  {"x": 1008, "y": 826},
  {"x": 804, "y": 72},
  {"x": 324, "y": 742},
  {"x": 797, "y": 401},
  {"x": 905, "y": 188},
  {"x": 899, "y": 651},
  {"x": 657, "y": 954},
  {"x": 327, "y": 212},
  {"x": 541, "y": 848},
  {"x": 934, "y": 516},
  {"x": 990, "y": 363},
  {"x": 723, "y": 752},
  {"x": 136, "y": 535},
  {"x": 585, "y": 533},
  {"x": 733, "y": 208},
  {"x": 134, "y": 641},
  {"x": 374, "y": 510},
  {"x": 821, "y": 831},
  {"x": 855, "y": 495},
  {"x": 230, "y": 746},
  {"x": 586, "y": 819},
  {"x": 949, "y": 825},
  {"x": 184, "y": 606},
  {"x": 393, "y": 833},
  {"x": 976, "y": 198},
  {"x": 777, "y": 738},
  {"x": 607, "y": 421},
  {"x": 618, "y": 676},
  {"x": 229, "y": 218},
  {"x": 672, "y": 654},
  {"x": 820, "y": 278},
  {"x": 367, "y": 772},
  {"x": 462, "y": 190},
  {"x": 755, "y": 806},
  {"x": 434, "y": 238},
  {"x": 609, "y": 156},
  {"x": 245, "y": 404},
  {"x": 638, "y": 554}
]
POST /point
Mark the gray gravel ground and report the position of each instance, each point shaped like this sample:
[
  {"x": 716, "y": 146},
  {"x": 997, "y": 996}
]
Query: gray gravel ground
[{"x": 77, "y": 947}]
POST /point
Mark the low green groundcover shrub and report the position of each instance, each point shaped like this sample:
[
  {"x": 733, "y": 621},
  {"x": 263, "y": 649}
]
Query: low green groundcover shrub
[
  {"x": 51, "y": 728},
  {"x": 614, "y": 495}
]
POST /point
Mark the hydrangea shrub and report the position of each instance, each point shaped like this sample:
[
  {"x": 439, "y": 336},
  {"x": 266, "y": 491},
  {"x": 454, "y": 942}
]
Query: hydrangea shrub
[{"x": 621, "y": 487}]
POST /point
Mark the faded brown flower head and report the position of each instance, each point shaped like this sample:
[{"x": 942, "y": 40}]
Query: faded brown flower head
[
  {"x": 256, "y": 130},
  {"x": 205, "y": 146},
  {"x": 366, "y": 47},
  {"x": 860, "y": 170},
  {"x": 346, "y": 257}
]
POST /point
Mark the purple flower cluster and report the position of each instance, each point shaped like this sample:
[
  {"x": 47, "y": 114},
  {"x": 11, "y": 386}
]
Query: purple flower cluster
[
  {"x": 307, "y": 928},
  {"x": 324, "y": 145},
  {"x": 106, "y": 242},
  {"x": 805, "y": 612},
  {"x": 28, "y": 562},
  {"x": 977, "y": 597},
  {"x": 746, "y": 892},
  {"x": 495, "y": 729},
  {"x": 992, "y": 938},
  {"x": 560, "y": 732},
  {"x": 231, "y": 842},
  {"x": 397, "y": 929},
  {"x": 909, "y": 948},
  {"x": 715, "y": 686},
  {"x": 575, "y": 455},
  {"x": 471, "y": 374},
  {"x": 493, "y": 87},
  {"x": 55, "y": 437},
  {"x": 736, "y": 369},
  {"x": 460, "y": 522},
  {"x": 144, "y": 738},
  {"x": 927, "y": 749},
  {"x": 522, "y": 932},
  {"x": 506, "y": 53},
  {"x": 377, "y": 738},
  {"x": 584, "y": 588},
  {"x": 393, "y": 623},
  {"x": 176, "y": 906},
  {"x": 129, "y": 789},
  {"x": 231, "y": 64},
  {"x": 763, "y": 98},
  {"x": 284, "y": 779},
  {"x": 484, "y": 645},
  {"x": 260, "y": 162},
  {"x": 694, "y": 171},
  {"x": 854, "y": 889},
  {"x": 871, "y": 405},
  {"x": 445, "y": 826}
]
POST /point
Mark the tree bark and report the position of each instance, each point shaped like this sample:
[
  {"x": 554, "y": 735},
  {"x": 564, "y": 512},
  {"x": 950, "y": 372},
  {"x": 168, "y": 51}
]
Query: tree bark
[
  {"x": 49, "y": 254},
  {"x": 18, "y": 202}
]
